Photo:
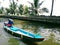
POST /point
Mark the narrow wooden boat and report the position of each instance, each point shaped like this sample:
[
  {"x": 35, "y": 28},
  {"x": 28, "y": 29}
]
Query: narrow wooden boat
[{"x": 23, "y": 34}]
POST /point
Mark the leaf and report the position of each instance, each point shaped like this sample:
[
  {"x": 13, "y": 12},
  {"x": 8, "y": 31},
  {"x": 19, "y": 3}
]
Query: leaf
[
  {"x": 31, "y": 4},
  {"x": 40, "y": 3},
  {"x": 45, "y": 10}
]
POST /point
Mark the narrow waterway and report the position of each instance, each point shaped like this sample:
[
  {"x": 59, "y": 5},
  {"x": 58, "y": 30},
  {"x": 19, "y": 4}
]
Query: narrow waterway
[{"x": 51, "y": 33}]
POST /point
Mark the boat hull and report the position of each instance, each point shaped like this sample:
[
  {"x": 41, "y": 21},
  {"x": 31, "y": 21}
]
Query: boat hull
[{"x": 23, "y": 36}]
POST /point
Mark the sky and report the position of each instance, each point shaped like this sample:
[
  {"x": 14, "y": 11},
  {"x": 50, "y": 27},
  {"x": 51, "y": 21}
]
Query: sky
[{"x": 47, "y": 4}]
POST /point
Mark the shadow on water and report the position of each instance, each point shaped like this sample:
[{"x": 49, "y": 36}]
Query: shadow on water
[
  {"x": 45, "y": 24},
  {"x": 41, "y": 23},
  {"x": 28, "y": 42},
  {"x": 36, "y": 25},
  {"x": 17, "y": 41},
  {"x": 13, "y": 41}
]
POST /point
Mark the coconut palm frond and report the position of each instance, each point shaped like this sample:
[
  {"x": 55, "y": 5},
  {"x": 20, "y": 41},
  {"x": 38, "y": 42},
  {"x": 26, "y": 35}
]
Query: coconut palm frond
[
  {"x": 45, "y": 10},
  {"x": 36, "y": 3},
  {"x": 31, "y": 4},
  {"x": 40, "y": 3},
  {"x": 35, "y": 7}
]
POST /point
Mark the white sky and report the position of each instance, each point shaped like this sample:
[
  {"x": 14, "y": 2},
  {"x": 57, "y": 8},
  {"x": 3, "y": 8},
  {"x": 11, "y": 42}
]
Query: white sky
[{"x": 47, "y": 4}]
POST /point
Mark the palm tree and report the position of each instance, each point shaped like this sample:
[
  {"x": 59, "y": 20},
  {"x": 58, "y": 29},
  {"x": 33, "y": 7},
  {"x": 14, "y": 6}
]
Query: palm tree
[
  {"x": 35, "y": 6},
  {"x": 52, "y": 7},
  {"x": 34, "y": 9},
  {"x": 21, "y": 9},
  {"x": 13, "y": 6},
  {"x": 26, "y": 11},
  {"x": 7, "y": 10},
  {"x": 1, "y": 10}
]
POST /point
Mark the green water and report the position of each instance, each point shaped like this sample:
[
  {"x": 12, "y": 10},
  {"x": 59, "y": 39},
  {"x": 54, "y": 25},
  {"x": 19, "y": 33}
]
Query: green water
[{"x": 51, "y": 33}]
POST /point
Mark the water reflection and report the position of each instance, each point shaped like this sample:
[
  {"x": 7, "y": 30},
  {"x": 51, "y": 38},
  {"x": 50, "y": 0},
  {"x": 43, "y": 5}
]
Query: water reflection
[
  {"x": 44, "y": 29},
  {"x": 13, "y": 41},
  {"x": 41, "y": 28},
  {"x": 28, "y": 42},
  {"x": 18, "y": 41}
]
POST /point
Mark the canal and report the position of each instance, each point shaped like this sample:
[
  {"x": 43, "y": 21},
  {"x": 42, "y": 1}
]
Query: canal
[{"x": 51, "y": 33}]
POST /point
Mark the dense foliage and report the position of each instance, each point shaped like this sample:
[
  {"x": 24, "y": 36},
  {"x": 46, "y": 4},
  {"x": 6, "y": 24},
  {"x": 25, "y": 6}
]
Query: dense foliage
[{"x": 34, "y": 10}]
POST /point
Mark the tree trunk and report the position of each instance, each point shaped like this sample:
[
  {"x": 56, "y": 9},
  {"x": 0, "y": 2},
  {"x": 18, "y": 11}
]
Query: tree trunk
[{"x": 52, "y": 7}]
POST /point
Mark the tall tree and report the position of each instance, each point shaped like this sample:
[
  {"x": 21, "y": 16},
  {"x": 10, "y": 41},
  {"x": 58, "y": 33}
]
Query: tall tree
[
  {"x": 21, "y": 9},
  {"x": 13, "y": 6},
  {"x": 35, "y": 6},
  {"x": 7, "y": 10},
  {"x": 1, "y": 10},
  {"x": 26, "y": 9},
  {"x": 52, "y": 7}
]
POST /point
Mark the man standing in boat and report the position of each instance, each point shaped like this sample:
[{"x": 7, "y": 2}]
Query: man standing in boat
[{"x": 9, "y": 23}]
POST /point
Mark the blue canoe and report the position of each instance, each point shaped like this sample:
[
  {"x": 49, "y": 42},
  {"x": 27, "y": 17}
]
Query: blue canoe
[{"x": 23, "y": 34}]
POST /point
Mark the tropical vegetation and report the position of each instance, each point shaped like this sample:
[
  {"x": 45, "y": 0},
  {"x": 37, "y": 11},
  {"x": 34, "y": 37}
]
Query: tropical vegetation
[
  {"x": 1, "y": 10},
  {"x": 34, "y": 10},
  {"x": 35, "y": 7}
]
